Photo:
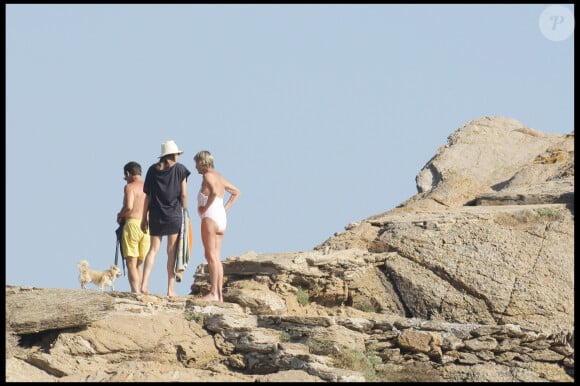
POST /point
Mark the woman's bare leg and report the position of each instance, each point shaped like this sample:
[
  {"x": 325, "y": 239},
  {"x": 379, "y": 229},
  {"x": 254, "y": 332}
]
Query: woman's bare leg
[
  {"x": 171, "y": 256},
  {"x": 220, "y": 267},
  {"x": 149, "y": 261},
  {"x": 208, "y": 237}
]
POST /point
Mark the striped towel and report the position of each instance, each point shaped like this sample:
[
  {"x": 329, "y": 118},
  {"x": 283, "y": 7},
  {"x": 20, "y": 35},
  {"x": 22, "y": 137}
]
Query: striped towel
[{"x": 184, "y": 245}]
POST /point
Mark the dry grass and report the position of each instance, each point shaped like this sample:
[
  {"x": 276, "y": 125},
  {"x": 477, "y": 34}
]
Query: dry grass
[
  {"x": 194, "y": 316},
  {"x": 346, "y": 358},
  {"x": 528, "y": 217},
  {"x": 302, "y": 296}
]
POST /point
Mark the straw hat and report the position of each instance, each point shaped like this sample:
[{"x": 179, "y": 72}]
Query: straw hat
[{"x": 169, "y": 147}]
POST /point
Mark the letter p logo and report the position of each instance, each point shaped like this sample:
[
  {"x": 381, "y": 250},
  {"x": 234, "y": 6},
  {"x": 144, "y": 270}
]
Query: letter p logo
[{"x": 557, "y": 23}]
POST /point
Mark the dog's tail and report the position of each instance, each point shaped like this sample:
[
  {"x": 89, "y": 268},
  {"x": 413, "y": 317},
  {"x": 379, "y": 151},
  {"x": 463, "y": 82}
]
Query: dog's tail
[{"x": 83, "y": 265}]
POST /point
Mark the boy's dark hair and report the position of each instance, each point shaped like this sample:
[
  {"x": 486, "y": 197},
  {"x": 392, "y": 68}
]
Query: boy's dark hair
[{"x": 133, "y": 168}]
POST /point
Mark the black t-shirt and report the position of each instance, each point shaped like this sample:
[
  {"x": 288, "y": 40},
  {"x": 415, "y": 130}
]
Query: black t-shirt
[{"x": 164, "y": 190}]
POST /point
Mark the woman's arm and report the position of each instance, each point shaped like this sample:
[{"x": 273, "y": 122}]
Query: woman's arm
[
  {"x": 234, "y": 194},
  {"x": 184, "y": 193},
  {"x": 145, "y": 218}
]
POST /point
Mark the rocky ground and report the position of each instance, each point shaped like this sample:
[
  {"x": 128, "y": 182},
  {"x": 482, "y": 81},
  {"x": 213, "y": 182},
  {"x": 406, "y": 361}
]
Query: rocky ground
[{"x": 469, "y": 280}]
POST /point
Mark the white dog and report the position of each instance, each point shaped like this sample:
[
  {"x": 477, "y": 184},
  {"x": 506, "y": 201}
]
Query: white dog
[{"x": 99, "y": 278}]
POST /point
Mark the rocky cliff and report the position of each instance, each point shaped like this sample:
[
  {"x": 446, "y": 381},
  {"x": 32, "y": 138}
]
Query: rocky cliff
[{"x": 469, "y": 280}]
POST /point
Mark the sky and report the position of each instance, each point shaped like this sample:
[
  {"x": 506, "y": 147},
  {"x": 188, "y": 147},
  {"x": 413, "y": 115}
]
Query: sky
[{"x": 321, "y": 114}]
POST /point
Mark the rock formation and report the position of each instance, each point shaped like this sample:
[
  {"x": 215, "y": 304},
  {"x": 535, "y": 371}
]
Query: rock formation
[{"x": 469, "y": 280}]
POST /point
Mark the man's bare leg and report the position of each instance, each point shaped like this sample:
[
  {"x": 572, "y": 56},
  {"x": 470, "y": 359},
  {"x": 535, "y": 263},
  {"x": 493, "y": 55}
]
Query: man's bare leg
[
  {"x": 134, "y": 280},
  {"x": 139, "y": 273}
]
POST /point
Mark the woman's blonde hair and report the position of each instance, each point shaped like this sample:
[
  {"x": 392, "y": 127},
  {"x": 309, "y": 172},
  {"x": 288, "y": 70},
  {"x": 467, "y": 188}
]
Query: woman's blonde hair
[{"x": 205, "y": 158}]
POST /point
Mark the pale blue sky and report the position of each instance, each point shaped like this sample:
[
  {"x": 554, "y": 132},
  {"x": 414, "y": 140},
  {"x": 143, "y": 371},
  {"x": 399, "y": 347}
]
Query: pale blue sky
[{"x": 320, "y": 114}]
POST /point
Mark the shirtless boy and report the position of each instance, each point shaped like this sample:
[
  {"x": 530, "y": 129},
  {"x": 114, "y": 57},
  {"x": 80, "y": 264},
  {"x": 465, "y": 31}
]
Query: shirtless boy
[{"x": 134, "y": 241}]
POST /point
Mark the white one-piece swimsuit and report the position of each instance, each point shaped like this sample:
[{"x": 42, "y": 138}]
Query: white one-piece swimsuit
[{"x": 216, "y": 211}]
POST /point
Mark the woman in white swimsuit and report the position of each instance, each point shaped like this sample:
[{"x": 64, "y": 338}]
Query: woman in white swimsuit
[
  {"x": 216, "y": 211},
  {"x": 212, "y": 211}
]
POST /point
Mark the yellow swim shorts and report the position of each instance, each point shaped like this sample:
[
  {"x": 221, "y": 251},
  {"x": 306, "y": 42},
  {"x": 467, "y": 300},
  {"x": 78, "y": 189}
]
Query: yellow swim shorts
[{"x": 134, "y": 241}]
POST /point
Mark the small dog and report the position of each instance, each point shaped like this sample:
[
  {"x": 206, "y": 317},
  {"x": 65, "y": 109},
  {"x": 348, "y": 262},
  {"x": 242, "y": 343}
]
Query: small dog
[{"x": 99, "y": 278}]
